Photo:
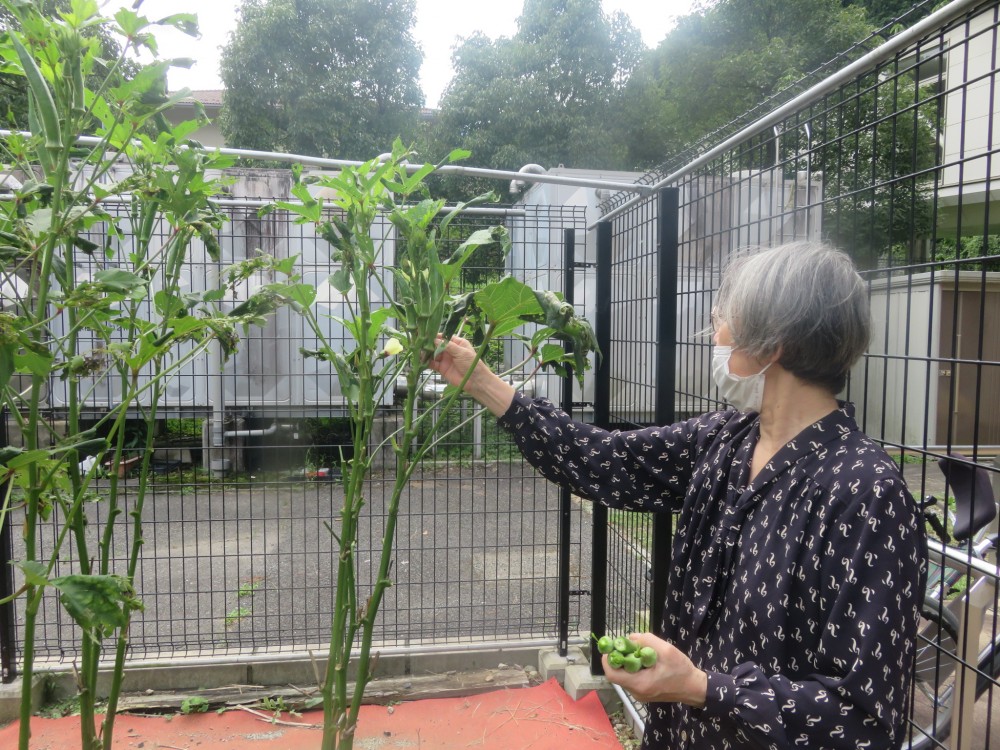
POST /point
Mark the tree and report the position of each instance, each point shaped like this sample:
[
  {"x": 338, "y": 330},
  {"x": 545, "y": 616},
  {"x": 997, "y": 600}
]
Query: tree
[
  {"x": 877, "y": 191},
  {"x": 881, "y": 12},
  {"x": 716, "y": 65},
  {"x": 334, "y": 78},
  {"x": 547, "y": 95}
]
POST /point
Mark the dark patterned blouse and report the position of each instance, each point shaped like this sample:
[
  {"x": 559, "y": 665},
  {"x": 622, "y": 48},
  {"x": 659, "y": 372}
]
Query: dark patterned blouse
[{"x": 798, "y": 593}]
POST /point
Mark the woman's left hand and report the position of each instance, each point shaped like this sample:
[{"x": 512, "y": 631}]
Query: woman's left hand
[{"x": 672, "y": 679}]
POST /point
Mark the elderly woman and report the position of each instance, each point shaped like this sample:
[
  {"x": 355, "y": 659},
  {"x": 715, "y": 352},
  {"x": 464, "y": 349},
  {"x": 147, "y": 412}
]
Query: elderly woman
[{"x": 798, "y": 562}]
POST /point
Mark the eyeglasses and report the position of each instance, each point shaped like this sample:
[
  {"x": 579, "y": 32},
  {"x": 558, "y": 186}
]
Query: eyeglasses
[{"x": 716, "y": 320}]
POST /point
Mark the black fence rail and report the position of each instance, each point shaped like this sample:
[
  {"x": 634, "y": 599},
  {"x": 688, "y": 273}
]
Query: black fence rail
[
  {"x": 895, "y": 161},
  {"x": 238, "y": 558}
]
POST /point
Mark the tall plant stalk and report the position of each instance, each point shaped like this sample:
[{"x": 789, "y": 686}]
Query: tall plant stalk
[
  {"x": 76, "y": 334},
  {"x": 415, "y": 277}
]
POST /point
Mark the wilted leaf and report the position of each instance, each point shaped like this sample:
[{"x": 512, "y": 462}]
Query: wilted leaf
[
  {"x": 98, "y": 602},
  {"x": 119, "y": 280},
  {"x": 35, "y": 573}
]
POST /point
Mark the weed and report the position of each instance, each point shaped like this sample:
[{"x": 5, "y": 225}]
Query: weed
[
  {"x": 194, "y": 705},
  {"x": 234, "y": 616},
  {"x": 248, "y": 588},
  {"x": 278, "y": 707},
  {"x": 57, "y": 710}
]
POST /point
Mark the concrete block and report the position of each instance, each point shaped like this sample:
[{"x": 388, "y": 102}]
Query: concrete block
[
  {"x": 551, "y": 664},
  {"x": 10, "y": 698},
  {"x": 579, "y": 681}
]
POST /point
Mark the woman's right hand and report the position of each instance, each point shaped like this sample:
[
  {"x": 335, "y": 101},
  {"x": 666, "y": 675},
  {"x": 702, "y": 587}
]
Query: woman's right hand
[{"x": 454, "y": 361}]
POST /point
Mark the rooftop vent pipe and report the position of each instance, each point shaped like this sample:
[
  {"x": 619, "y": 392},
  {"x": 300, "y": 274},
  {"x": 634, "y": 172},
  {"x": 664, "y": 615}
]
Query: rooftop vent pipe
[{"x": 516, "y": 186}]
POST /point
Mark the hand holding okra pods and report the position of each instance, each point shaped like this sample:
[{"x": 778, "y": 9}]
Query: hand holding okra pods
[
  {"x": 664, "y": 673},
  {"x": 624, "y": 653}
]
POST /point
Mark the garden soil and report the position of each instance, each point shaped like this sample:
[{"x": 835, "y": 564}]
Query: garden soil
[{"x": 536, "y": 718}]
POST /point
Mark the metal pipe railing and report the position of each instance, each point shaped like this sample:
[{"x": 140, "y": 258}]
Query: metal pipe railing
[{"x": 454, "y": 169}]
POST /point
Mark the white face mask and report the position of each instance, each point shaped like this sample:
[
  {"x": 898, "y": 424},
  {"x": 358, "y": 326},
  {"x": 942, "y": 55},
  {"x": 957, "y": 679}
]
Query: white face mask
[{"x": 746, "y": 393}]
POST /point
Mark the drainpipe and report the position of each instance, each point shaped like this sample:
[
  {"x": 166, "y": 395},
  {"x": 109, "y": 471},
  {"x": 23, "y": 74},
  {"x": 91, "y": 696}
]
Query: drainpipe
[
  {"x": 215, "y": 434},
  {"x": 256, "y": 433}
]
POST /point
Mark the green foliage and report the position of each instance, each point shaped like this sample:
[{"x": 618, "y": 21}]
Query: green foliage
[
  {"x": 716, "y": 65},
  {"x": 194, "y": 705},
  {"x": 426, "y": 300},
  {"x": 249, "y": 588},
  {"x": 80, "y": 314},
  {"x": 549, "y": 95},
  {"x": 236, "y": 615},
  {"x": 881, "y": 12},
  {"x": 880, "y": 197},
  {"x": 981, "y": 251},
  {"x": 108, "y": 63},
  {"x": 334, "y": 78}
]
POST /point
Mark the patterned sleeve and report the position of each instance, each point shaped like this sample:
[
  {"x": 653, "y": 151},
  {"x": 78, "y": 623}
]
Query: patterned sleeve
[
  {"x": 647, "y": 469},
  {"x": 857, "y": 690}
]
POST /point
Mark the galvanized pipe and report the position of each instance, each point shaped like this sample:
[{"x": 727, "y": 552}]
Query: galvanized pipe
[{"x": 455, "y": 169}]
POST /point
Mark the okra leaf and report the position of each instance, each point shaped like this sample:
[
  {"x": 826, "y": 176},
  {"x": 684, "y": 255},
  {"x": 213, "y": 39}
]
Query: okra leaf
[
  {"x": 549, "y": 353},
  {"x": 35, "y": 573},
  {"x": 24, "y": 458},
  {"x": 97, "y": 602},
  {"x": 186, "y": 23},
  {"x": 341, "y": 280},
  {"x": 301, "y": 294},
  {"x": 350, "y": 385},
  {"x": 453, "y": 267},
  {"x": 119, "y": 280},
  {"x": 507, "y": 299},
  {"x": 37, "y": 363}
]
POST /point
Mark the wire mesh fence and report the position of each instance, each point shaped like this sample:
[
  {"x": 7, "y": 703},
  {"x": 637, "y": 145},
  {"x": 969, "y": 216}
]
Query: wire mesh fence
[
  {"x": 242, "y": 501},
  {"x": 896, "y": 164}
]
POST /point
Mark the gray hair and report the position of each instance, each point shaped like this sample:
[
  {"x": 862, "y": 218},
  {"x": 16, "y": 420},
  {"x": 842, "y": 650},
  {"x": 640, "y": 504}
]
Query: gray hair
[{"x": 804, "y": 300}]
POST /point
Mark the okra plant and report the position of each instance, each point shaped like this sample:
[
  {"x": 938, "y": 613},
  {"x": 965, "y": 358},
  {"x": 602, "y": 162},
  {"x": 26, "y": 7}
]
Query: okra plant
[
  {"x": 94, "y": 237},
  {"x": 395, "y": 338}
]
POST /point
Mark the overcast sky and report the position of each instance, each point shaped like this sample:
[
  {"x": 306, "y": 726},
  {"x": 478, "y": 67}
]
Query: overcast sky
[{"x": 440, "y": 24}]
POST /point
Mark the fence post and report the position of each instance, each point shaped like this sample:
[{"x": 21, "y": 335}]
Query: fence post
[
  {"x": 8, "y": 632},
  {"x": 602, "y": 418},
  {"x": 565, "y": 496},
  {"x": 668, "y": 201}
]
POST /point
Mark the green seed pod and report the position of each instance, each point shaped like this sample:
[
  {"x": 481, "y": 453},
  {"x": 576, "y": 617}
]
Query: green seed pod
[
  {"x": 605, "y": 644},
  {"x": 624, "y": 645},
  {"x": 45, "y": 105},
  {"x": 647, "y": 656},
  {"x": 631, "y": 663},
  {"x": 616, "y": 659}
]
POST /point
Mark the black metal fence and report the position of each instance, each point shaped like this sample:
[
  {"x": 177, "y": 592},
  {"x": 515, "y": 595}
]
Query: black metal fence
[
  {"x": 891, "y": 158},
  {"x": 238, "y": 558},
  {"x": 895, "y": 160}
]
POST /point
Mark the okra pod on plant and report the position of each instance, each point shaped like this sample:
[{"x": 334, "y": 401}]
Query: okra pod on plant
[{"x": 45, "y": 105}]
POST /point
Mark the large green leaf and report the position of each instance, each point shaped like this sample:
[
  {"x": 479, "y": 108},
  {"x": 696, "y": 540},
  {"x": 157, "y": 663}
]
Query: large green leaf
[
  {"x": 119, "y": 280},
  {"x": 507, "y": 299},
  {"x": 98, "y": 602}
]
